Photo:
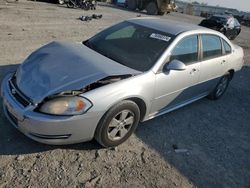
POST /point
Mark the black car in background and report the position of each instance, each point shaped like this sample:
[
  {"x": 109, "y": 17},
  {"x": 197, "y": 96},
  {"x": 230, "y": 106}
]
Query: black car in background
[{"x": 226, "y": 24}]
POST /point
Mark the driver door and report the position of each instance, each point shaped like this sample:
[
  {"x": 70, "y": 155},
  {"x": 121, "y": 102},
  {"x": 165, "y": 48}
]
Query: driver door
[{"x": 174, "y": 87}]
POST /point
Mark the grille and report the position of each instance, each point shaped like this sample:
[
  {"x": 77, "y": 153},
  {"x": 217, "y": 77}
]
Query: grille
[{"x": 17, "y": 94}]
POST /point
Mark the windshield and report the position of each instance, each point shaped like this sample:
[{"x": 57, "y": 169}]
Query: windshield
[{"x": 132, "y": 45}]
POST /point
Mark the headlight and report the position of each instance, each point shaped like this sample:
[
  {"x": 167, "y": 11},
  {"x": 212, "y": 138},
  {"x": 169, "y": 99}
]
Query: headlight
[{"x": 66, "y": 106}]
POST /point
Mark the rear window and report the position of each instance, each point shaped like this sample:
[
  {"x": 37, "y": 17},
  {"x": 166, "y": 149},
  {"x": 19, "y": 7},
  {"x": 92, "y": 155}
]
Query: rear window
[
  {"x": 211, "y": 46},
  {"x": 227, "y": 47}
]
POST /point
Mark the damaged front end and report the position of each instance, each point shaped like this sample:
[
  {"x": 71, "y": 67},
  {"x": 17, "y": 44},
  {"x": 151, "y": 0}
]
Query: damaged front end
[
  {"x": 59, "y": 67},
  {"x": 95, "y": 85},
  {"x": 71, "y": 102},
  {"x": 54, "y": 77}
]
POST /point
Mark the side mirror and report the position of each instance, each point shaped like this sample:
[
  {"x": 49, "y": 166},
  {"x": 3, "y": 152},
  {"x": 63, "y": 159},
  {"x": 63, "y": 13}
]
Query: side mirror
[{"x": 175, "y": 65}]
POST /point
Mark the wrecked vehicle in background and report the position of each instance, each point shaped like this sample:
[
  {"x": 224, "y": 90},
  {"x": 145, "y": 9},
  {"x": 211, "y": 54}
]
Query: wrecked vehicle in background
[
  {"x": 152, "y": 7},
  {"x": 134, "y": 71},
  {"x": 226, "y": 24},
  {"x": 83, "y": 4}
]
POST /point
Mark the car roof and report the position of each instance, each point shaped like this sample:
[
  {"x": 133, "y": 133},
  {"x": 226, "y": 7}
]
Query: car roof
[
  {"x": 168, "y": 26},
  {"x": 222, "y": 16}
]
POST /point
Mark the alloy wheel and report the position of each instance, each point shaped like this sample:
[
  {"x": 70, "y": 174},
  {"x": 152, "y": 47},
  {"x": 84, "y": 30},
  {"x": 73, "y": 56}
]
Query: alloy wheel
[
  {"x": 120, "y": 125},
  {"x": 222, "y": 86}
]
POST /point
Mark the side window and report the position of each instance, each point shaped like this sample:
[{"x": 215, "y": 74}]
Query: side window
[
  {"x": 227, "y": 47},
  {"x": 211, "y": 46},
  {"x": 186, "y": 50},
  {"x": 126, "y": 32}
]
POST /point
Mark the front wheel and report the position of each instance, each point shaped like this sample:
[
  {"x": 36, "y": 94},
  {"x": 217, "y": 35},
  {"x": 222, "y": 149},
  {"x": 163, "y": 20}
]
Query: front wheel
[
  {"x": 220, "y": 88},
  {"x": 118, "y": 124}
]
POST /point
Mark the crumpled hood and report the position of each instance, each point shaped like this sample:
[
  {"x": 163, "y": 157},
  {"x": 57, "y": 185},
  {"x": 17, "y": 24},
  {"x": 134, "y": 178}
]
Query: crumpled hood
[{"x": 61, "y": 66}]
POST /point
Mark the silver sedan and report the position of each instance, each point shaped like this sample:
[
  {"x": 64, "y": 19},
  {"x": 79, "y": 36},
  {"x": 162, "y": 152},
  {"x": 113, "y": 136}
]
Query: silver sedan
[{"x": 66, "y": 93}]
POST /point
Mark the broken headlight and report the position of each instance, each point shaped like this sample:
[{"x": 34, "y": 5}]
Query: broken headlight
[{"x": 70, "y": 105}]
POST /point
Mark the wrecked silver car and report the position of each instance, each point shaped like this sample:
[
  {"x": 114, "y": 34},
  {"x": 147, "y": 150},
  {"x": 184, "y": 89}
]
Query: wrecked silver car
[{"x": 66, "y": 93}]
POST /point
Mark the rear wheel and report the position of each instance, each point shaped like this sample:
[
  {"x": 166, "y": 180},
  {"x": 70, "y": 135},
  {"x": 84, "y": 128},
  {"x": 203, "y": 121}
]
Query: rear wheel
[
  {"x": 118, "y": 124},
  {"x": 220, "y": 88},
  {"x": 152, "y": 8}
]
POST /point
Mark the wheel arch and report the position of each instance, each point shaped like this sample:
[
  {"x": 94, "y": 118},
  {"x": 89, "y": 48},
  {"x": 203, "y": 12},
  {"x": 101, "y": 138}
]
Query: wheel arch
[
  {"x": 141, "y": 104},
  {"x": 137, "y": 100}
]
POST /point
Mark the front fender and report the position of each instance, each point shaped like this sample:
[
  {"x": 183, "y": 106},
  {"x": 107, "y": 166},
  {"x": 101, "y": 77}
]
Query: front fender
[{"x": 141, "y": 86}]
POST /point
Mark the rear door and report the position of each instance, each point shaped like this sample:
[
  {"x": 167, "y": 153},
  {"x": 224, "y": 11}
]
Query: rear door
[{"x": 213, "y": 64}]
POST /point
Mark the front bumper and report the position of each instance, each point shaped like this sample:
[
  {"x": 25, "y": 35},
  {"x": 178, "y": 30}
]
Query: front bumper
[{"x": 48, "y": 129}]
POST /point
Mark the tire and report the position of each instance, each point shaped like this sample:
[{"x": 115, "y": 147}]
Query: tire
[
  {"x": 220, "y": 88},
  {"x": 152, "y": 8},
  {"x": 132, "y": 5},
  {"x": 124, "y": 116}
]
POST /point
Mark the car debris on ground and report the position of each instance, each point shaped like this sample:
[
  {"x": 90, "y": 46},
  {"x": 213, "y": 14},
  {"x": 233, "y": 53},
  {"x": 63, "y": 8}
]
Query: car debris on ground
[{"x": 89, "y": 18}]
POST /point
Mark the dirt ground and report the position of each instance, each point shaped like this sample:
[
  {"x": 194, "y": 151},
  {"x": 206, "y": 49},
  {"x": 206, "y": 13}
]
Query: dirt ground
[{"x": 214, "y": 133}]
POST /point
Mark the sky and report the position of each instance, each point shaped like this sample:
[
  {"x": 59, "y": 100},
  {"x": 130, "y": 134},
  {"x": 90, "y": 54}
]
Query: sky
[{"x": 243, "y": 5}]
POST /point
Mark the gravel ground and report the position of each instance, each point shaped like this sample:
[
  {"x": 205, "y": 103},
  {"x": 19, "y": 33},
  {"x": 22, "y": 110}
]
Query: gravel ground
[{"x": 215, "y": 134}]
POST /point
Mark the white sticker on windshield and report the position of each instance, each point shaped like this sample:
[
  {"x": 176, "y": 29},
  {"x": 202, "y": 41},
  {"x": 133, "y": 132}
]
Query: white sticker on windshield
[{"x": 160, "y": 37}]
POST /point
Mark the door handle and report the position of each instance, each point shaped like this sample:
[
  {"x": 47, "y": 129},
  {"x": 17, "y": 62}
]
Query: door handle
[
  {"x": 223, "y": 62},
  {"x": 193, "y": 70}
]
